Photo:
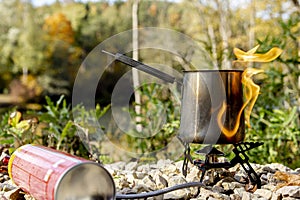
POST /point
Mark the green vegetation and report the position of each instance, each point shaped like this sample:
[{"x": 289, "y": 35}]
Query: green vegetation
[
  {"x": 54, "y": 126},
  {"x": 275, "y": 119},
  {"x": 41, "y": 49},
  {"x": 159, "y": 120}
]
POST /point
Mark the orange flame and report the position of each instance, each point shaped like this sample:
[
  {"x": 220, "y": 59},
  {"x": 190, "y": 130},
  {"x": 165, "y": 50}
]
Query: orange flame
[
  {"x": 251, "y": 89},
  {"x": 228, "y": 133}
]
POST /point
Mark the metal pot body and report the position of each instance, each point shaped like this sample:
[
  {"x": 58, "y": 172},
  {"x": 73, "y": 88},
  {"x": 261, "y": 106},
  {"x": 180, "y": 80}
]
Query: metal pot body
[{"x": 203, "y": 94}]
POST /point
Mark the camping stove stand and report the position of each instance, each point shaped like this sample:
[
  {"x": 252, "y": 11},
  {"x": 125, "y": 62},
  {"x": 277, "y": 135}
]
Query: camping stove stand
[{"x": 210, "y": 162}]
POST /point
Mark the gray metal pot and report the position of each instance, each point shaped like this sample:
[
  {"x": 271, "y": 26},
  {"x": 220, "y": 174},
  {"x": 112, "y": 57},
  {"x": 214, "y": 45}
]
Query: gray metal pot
[{"x": 203, "y": 94}]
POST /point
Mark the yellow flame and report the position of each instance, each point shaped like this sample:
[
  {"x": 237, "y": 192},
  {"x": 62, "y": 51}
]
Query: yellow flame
[
  {"x": 251, "y": 56},
  {"x": 251, "y": 91},
  {"x": 250, "y": 88}
]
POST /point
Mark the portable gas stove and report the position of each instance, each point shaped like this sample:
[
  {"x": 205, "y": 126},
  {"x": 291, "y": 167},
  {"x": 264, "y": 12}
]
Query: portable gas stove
[
  {"x": 212, "y": 112},
  {"x": 211, "y": 160}
]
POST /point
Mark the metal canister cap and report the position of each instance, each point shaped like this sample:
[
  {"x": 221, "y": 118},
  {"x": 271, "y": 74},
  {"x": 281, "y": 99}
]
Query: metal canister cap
[{"x": 85, "y": 181}]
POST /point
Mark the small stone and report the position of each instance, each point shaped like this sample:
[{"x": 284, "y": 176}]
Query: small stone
[
  {"x": 227, "y": 186},
  {"x": 211, "y": 198},
  {"x": 2, "y": 197},
  {"x": 206, "y": 193},
  {"x": 256, "y": 166},
  {"x": 237, "y": 185},
  {"x": 131, "y": 166},
  {"x": 28, "y": 197},
  {"x": 289, "y": 191},
  {"x": 235, "y": 168},
  {"x": 231, "y": 185},
  {"x": 264, "y": 182},
  {"x": 135, "y": 190},
  {"x": 152, "y": 172},
  {"x": 276, "y": 196},
  {"x": 270, "y": 178},
  {"x": 240, "y": 178},
  {"x": 246, "y": 196},
  {"x": 218, "y": 189},
  {"x": 193, "y": 174},
  {"x": 177, "y": 194},
  {"x": 297, "y": 170},
  {"x": 235, "y": 197},
  {"x": 239, "y": 191},
  {"x": 149, "y": 182},
  {"x": 269, "y": 187},
  {"x": 6, "y": 177},
  {"x": 130, "y": 179},
  {"x": 179, "y": 164},
  {"x": 279, "y": 167},
  {"x": 225, "y": 180},
  {"x": 163, "y": 163},
  {"x": 170, "y": 169},
  {"x": 176, "y": 180},
  {"x": 198, "y": 198},
  {"x": 6, "y": 186},
  {"x": 289, "y": 198},
  {"x": 160, "y": 181},
  {"x": 121, "y": 183},
  {"x": 264, "y": 177},
  {"x": 116, "y": 166},
  {"x": 226, "y": 197},
  {"x": 264, "y": 193},
  {"x": 161, "y": 197},
  {"x": 144, "y": 168},
  {"x": 139, "y": 175},
  {"x": 268, "y": 169}
]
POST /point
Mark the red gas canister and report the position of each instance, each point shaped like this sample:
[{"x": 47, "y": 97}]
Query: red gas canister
[{"x": 48, "y": 174}]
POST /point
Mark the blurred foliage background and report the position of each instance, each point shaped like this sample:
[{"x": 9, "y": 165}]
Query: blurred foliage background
[{"x": 41, "y": 49}]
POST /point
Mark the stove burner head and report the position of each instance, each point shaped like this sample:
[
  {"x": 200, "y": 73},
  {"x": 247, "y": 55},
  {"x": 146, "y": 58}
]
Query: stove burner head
[{"x": 209, "y": 150}]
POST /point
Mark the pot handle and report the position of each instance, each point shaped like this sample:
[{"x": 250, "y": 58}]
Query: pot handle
[{"x": 141, "y": 66}]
